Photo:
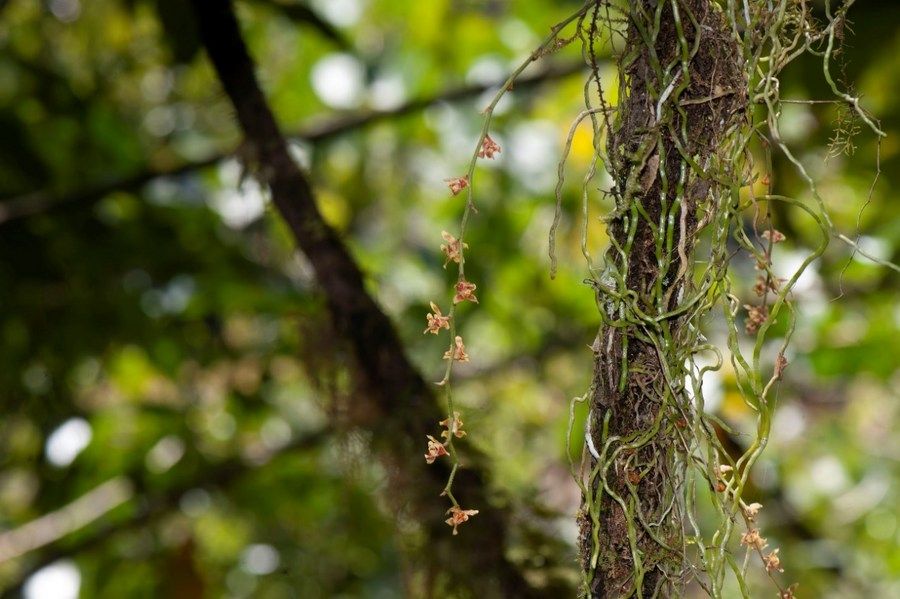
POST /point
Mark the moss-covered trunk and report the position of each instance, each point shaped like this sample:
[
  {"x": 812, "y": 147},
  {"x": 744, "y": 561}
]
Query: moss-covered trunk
[{"x": 681, "y": 92}]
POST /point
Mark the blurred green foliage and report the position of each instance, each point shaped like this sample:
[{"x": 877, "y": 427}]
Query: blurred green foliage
[{"x": 175, "y": 319}]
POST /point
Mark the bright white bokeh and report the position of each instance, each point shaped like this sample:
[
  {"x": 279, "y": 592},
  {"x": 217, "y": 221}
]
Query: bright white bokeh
[
  {"x": 789, "y": 424},
  {"x": 67, "y": 441},
  {"x": 487, "y": 70},
  {"x": 786, "y": 262},
  {"x": 238, "y": 203},
  {"x": 534, "y": 152},
  {"x": 66, "y": 11},
  {"x": 59, "y": 580},
  {"x": 456, "y": 136},
  {"x": 343, "y": 13},
  {"x": 873, "y": 246},
  {"x": 517, "y": 35},
  {"x": 260, "y": 559},
  {"x": 828, "y": 475},
  {"x": 387, "y": 92},
  {"x": 796, "y": 122},
  {"x": 339, "y": 80}
]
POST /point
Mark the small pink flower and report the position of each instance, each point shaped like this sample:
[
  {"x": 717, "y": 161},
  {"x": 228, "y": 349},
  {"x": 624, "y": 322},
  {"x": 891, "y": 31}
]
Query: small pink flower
[
  {"x": 453, "y": 248},
  {"x": 751, "y": 538},
  {"x": 458, "y": 516},
  {"x": 458, "y": 184},
  {"x": 435, "y": 450},
  {"x": 465, "y": 292},
  {"x": 772, "y": 562},
  {"x": 458, "y": 353},
  {"x": 756, "y": 316},
  {"x": 764, "y": 284},
  {"x": 774, "y": 235},
  {"x": 752, "y": 510},
  {"x": 454, "y": 427},
  {"x": 761, "y": 287},
  {"x": 436, "y": 321},
  {"x": 489, "y": 147}
]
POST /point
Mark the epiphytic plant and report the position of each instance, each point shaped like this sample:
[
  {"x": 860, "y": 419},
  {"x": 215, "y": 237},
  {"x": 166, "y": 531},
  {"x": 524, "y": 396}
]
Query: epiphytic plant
[
  {"x": 688, "y": 147},
  {"x": 454, "y": 250}
]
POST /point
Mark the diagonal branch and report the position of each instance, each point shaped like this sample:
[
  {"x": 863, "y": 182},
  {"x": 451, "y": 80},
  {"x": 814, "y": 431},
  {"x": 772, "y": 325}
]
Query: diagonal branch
[
  {"x": 394, "y": 402},
  {"x": 51, "y": 527},
  {"x": 300, "y": 13},
  {"x": 46, "y": 200}
]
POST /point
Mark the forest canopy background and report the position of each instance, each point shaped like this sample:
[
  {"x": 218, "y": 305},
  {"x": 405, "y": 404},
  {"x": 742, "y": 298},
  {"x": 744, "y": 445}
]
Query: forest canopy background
[{"x": 164, "y": 345}]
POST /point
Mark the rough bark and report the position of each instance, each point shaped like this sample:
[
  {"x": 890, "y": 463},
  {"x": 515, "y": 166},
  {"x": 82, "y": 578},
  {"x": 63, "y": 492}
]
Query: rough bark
[
  {"x": 395, "y": 403},
  {"x": 629, "y": 390}
]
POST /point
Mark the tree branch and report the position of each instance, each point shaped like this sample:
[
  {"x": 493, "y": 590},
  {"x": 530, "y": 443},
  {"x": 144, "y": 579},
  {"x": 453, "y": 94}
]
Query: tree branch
[
  {"x": 55, "y": 527},
  {"x": 301, "y": 13},
  {"x": 394, "y": 402},
  {"x": 51, "y": 527},
  {"x": 46, "y": 200}
]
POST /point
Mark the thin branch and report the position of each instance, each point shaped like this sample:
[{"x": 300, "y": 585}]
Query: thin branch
[
  {"x": 303, "y": 14},
  {"x": 46, "y": 200},
  {"x": 51, "y": 527},
  {"x": 56, "y": 526}
]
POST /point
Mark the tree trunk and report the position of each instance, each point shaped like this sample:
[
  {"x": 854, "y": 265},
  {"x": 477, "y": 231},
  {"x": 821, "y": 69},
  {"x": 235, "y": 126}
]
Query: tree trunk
[{"x": 681, "y": 93}]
